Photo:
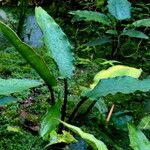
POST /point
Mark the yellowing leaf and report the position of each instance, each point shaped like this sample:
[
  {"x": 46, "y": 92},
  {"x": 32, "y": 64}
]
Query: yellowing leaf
[
  {"x": 116, "y": 71},
  {"x": 65, "y": 137}
]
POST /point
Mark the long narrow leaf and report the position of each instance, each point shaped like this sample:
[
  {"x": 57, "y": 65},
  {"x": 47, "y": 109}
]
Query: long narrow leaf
[
  {"x": 135, "y": 33},
  {"x": 9, "y": 86},
  {"x": 124, "y": 85},
  {"x": 56, "y": 42},
  {"x": 89, "y": 138},
  {"x": 91, "y": 16},
  {"x": 143, "y": 22},
  {"x": 35, "y": 60},
  {"x": 138, "y": 140},
  {"x": 116, "y": 71},
  {"x": 50, "y": 120}
]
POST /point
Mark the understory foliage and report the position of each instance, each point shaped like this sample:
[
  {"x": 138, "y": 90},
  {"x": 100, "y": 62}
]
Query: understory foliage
[{"x": 114, "y": 85}]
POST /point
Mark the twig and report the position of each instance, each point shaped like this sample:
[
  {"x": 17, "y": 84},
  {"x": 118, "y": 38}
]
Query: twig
[
  {"x": 52, "y": 94},
  {"x": 110, "y": 114}
]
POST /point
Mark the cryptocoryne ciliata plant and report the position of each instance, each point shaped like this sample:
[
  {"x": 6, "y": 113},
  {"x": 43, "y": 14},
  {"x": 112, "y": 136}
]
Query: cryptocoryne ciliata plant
[
  {"x": 119, "y": 11},
  {"x": 116, "y": 79}
]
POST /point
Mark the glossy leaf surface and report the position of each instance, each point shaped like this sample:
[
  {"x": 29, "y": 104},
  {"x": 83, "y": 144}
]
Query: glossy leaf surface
[
  {"x": 9, "y": 86},
  {"x": 50, "y": 120},
  {"x": 56, "y": 42},
  {"x": 124, "y": 85},
  {"x": 89, "y": 138},
  {"x": 120, "y": 9},
  {"x": 116, "y": 71}
]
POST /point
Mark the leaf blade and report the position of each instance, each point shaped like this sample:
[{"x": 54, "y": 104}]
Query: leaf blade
[
  {"x": 56, "y": 42},
  {"x": 50, "y": 120},
  {"x": 135, "y": 33},
  {"x": 116, "y": 71},
  {"x": 29, "y": 54},
  {"x": 142, "y": 22},
  {"x": 120, "y": 9},
  {"x": 9, "y": 86},
  {"x": 91, "y": 16},
  {"x": 112, "y": 86},
  {"x": 89, "y": 138},
  {"x": 138, "y": 140}
]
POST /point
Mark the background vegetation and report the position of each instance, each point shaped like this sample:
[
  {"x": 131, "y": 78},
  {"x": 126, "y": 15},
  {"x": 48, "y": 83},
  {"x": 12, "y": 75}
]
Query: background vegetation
[{"x": 20, "y": 120}]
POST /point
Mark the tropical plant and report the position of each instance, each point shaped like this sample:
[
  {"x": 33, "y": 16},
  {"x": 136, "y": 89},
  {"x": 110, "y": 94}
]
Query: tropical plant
[
  {"x": 115, "y": 28},
  {"x": 117, "y": 79}
]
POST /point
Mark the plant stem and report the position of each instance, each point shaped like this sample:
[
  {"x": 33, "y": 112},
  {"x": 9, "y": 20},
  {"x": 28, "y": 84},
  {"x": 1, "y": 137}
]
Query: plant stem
[
  {"x": 110, "y": 114},
  {"x": 64, "y": 106},
  {"x": 73, "y": 114},
  {"x": 52, "y": 94},
  {"x": 23, "y": 7}
]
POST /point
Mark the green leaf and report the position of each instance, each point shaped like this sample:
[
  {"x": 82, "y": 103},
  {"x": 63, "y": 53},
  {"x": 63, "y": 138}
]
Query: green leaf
[
  {"x": 116, "y": 71},
  {"x": 138, "y": 140},
  {"x": 135, "y": 33},
  {"x": 143, "y": 22},
  {"x": 56, "y": 42},
  {"x": 112, "y": 32},
  {"x": 14, "y": 129},
  {"x": 35, "y": 60},
  {"x": 120, "y": 9},
  {"x": 124, "y": 85},
  {"x": 9, "y": 86},
  {"x": 100, "y": 41},
  {"x": 65, "y": 137},
  {"x": 89, "y": 138},
  {"x": 91, "y": 16},
  {"x": 50, "y": 120},
  {"x": 6, "y": 100},
  {"x": 145, "y": 123}
]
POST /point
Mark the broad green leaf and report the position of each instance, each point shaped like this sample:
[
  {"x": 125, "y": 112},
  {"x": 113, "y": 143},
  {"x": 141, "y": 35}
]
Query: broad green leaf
[
  {"x": 143, "y": 22},
  {"x": 6, "y": 100},
  {"x": 50, "y": 120},
  {"x": 116, "y": 71},
  {"x": 100, "y": 41},
  {"x": 135, "y": 33},
  {"x": 145, "y": 123},
  {"x": 65, "y": 137},
  {"x": 56, "y": 42},
  {"x": 89, "y": 138},
  {"x": 124, "y": 85},
  {"x": 120, "y": 9},
  {"x": 9, "y": 86},
  {"x": 138, "y": 140},
  {"x": 34, "y": 59},
  {"x": 91, "y": 16}
]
